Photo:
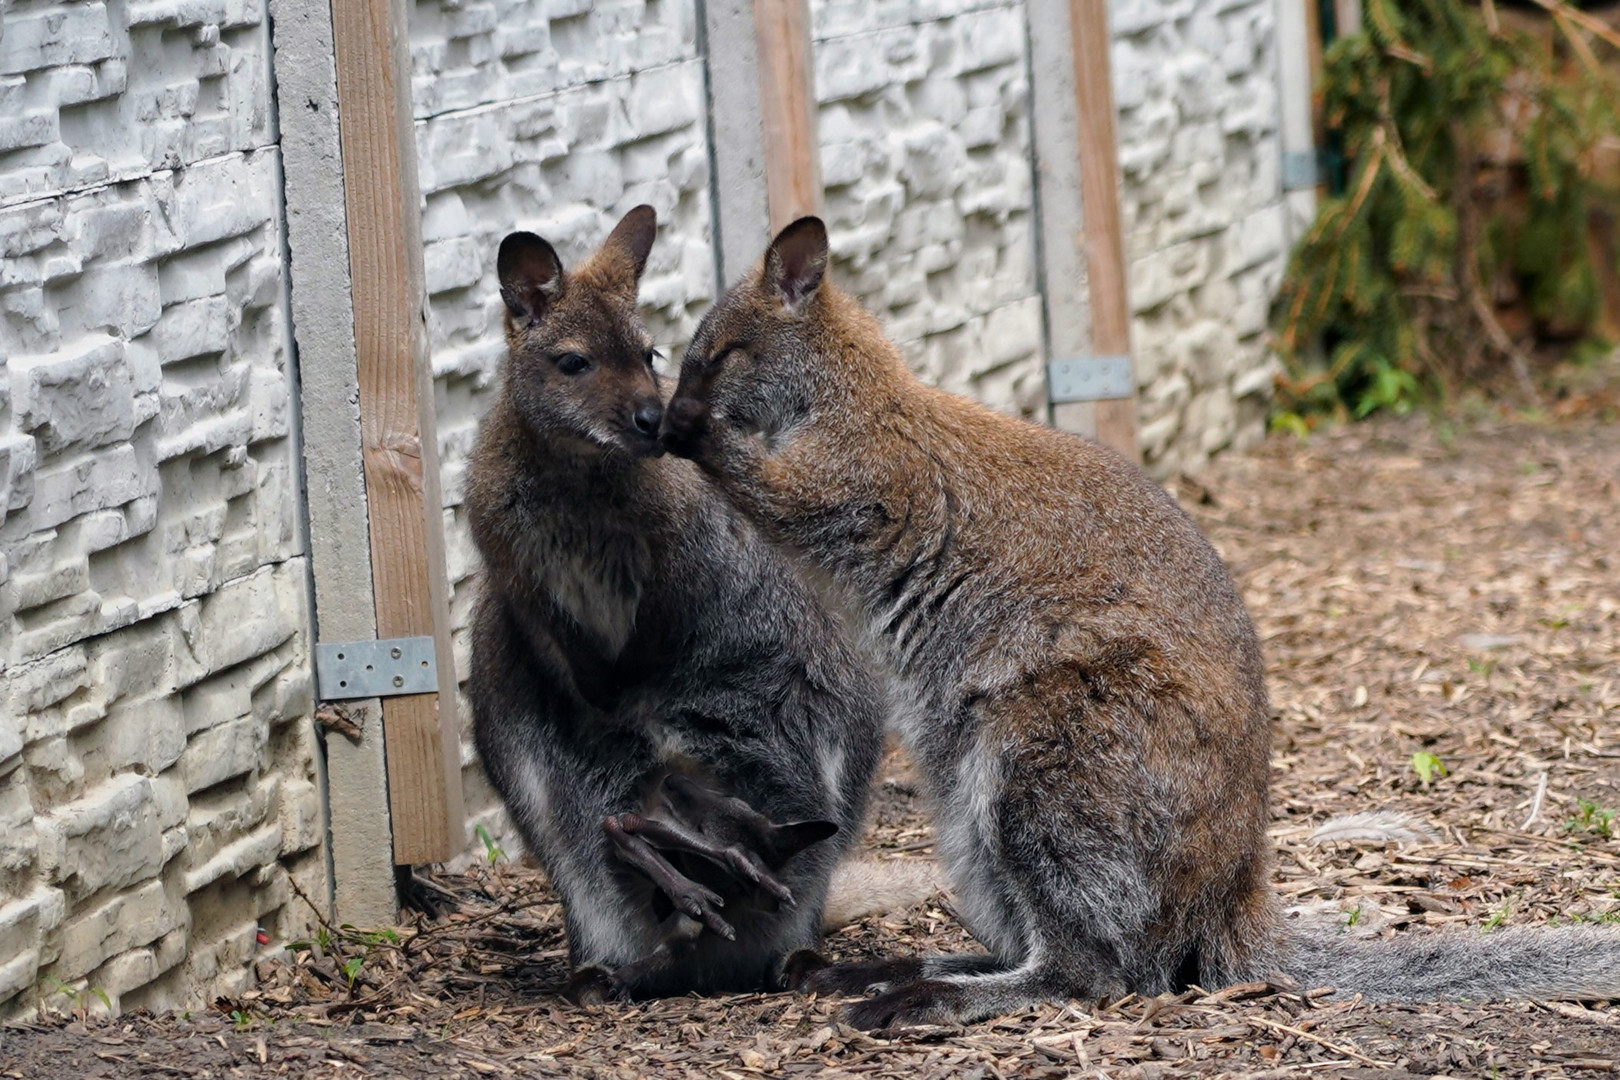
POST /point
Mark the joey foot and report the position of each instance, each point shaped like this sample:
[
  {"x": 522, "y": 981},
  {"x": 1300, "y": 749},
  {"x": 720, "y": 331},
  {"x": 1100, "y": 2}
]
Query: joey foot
[
  {"x": 734, "y": 858},
  {"x": 688, "y": 896}
]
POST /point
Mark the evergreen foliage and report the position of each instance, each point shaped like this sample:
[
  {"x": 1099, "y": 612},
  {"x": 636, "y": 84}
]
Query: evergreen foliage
[{"x": 1476, "y": 155}]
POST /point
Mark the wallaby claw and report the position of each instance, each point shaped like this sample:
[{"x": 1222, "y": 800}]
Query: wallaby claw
[
  {"x": 800, "y": 966},
  {"x": 699, "y": 902},
  {"x": 744, "y": 864},
  {"x": 706, "y": 915}
]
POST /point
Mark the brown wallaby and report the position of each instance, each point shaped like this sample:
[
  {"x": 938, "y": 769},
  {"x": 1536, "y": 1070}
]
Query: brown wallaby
[
  {"x": 677, "y": 726},
  {"x": 1081, "y": 687}
]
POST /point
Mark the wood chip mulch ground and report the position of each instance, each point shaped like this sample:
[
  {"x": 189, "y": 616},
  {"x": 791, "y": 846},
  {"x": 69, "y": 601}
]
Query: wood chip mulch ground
[{"x": 1434, "y": 603}]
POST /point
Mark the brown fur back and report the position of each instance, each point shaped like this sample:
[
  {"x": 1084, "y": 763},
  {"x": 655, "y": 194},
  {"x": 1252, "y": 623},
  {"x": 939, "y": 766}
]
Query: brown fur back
[{"x": 1086, "y": 696}]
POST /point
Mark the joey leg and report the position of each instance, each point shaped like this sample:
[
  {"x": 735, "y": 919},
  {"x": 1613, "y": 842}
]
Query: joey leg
[
  {"x": 596, "y": 985},
  {"x": 735, "y": 859},
  {"x": 630, "y": 980},
  {"x": 687, "y": 895}
]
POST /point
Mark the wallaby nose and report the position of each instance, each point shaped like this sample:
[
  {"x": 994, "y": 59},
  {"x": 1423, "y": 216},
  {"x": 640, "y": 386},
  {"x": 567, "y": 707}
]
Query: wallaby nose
[{"x": 647, "y": 417}]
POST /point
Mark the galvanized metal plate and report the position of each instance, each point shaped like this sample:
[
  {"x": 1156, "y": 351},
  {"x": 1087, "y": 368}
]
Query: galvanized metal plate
[
  {"x": 1089, "y": 378},
  {"x": 1301, "y": 169},
  {"x": 360, "y": 669}
]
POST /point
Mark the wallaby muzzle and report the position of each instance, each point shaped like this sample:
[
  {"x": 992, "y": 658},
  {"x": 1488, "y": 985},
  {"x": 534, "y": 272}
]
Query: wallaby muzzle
[{"x": 686, "y": 420}]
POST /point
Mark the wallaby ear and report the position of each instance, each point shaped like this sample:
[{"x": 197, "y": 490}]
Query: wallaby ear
[
  {"x": 624, "y": 253},
  {"x": 531, "y": 275},
  {"x": 796, "y": 261},
  {"x": 790, "y": 839}
]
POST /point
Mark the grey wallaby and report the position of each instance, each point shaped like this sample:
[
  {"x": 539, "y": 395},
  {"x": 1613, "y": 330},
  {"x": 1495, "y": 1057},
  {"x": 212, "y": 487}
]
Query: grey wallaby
[
  {"x": 1080, "y": 684},
  {"x": 683, "y": 734}
]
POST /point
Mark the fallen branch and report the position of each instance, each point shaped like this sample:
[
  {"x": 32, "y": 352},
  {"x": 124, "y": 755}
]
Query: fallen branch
[{"x": 1337, "y": 1048}]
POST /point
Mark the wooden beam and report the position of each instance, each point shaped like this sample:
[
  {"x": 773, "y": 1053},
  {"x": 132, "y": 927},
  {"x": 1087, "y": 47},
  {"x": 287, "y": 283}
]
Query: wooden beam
[
  {"x": 363, "y": 890},
  {"x": 787, "y": 103},
  {"x": 1313, "y": 57},
  {"x": 1299, "y": 60},
  {"x": 742, "y": 225},
  {"x": 399, "y": 446},
  {"x": 1346, "y": 18},
  {"x": 1099, "y": 195}
]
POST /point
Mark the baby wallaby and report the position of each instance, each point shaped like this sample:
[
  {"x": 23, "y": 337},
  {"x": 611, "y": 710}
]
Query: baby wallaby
[
  {"x": 633, "y": 627},
  {"x": 1080, "y": 684},
  {"x": 704, "y": 851}
]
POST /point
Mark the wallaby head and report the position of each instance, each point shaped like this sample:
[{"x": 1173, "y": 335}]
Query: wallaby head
[
  {"x": 774, "y": 347},
  {"x": 580, "y": 359}
]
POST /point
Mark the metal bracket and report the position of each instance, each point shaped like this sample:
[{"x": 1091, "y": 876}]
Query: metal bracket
[
  {"x": 386, "y": 668},
  {"x": 1302, "y": 169},
  {"x": 1089, "y": 378}
]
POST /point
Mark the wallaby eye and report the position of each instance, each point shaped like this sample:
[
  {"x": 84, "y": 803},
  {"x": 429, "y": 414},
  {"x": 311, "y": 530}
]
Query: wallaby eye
[
  {"x": 722, "y": 355},
  {"x": 652, "y": 356},
  {"x": 572, "y": 363}
]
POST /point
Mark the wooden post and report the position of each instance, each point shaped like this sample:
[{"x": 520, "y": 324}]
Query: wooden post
[
  {"x": 399, "y": 448},
  {"x": 1299, "y": 61},
  {"x": 787, "y": 104},
  {"x": 1313, "y": 57},
  {"x": 363, "y": 891},
  {"x": 1346, "y": 18},
  {"x": 1103, "y": 244}
]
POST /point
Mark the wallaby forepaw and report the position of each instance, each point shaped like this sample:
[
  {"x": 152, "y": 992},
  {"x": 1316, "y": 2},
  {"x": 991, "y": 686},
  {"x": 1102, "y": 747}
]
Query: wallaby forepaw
[
  {"x": 800, "y": 965},
  {"x": 589, "y": 986},
  {"x": 911, "y": 1004}
]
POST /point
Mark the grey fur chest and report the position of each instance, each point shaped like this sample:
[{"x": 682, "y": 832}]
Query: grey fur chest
[{"x": 593, "y": 571}]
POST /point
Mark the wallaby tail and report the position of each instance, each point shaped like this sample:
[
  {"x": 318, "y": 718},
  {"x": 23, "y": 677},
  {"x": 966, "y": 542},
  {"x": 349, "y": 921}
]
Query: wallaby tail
[
  {"x": 1529, "y": 963},
  {"x": 862, "y": 887}
]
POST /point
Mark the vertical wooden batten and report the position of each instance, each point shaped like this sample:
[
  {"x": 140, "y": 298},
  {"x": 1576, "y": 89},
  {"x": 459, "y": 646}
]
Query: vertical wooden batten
[
  {"x": 787, "y": 103},
  {"x": 1298, "y": 62},
  {"x": 399, "y": 450},
  {"x": 1346, "y": 18},
  {"x": 1313, "y": 59},
  {"x": 355, "y": 777},
  {"x": 1103, "y": 243}
]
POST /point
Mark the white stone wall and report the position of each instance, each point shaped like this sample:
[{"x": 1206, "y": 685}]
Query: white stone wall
[
  {"x": 555, "y": 116},
  {"x": 925, "y": 160},
  {"x": 929, "y": 199},
  {"x": 157, "y": 761},
  {"x": 158, "y": 767},
  {"x": 558, "y": 115},
  {"x": 1206, "y": 226}
]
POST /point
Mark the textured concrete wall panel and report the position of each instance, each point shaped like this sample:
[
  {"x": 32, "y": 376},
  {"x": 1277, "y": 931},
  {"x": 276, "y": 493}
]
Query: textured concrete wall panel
[
  {"x": 156, "y": 750},
  {"x": 555, "y": 117},
  {"x": 1206, "y": 230},
  {"x": 929, "y": 198},
  {"x": 96, "y": 92},
  {"x": 465, "y": 53}
]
